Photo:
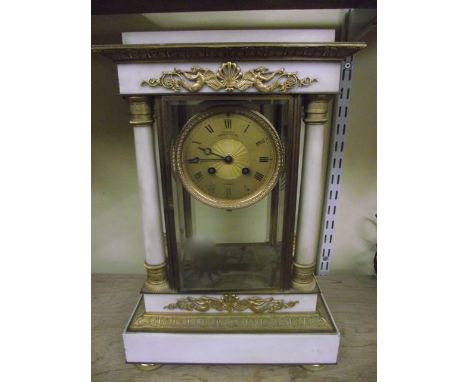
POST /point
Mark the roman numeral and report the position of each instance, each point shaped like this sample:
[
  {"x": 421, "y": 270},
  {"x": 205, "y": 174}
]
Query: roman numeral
[
  {"x": 209, "y": 128},
  {"x": 228, "y": 192},
  {"x": 198, "y": 176},
  {"x": 260, "y": 142},
  {"x": 259, "y": 176},
  {"x": 263, "y": 159},
  {"x": 211, "y": 188},
  {"x": 228, "y": 124},
  {"x": 246, "y": 128}
]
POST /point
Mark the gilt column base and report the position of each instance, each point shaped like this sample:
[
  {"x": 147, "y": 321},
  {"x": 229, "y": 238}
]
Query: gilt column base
[
  {"x": 156, "y": 279},
  {"x": 303, "y": 278}
]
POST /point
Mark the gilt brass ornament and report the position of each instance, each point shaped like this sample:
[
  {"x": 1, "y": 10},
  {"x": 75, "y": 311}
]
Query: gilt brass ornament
[
  {"x": 229, "y": 77},
  {"x": 190, "y": 322},
  {"x": 231, "y": 303}
]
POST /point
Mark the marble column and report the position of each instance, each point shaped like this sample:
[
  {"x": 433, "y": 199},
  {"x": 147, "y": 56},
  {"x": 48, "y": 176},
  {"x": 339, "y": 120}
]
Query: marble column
[
  {"x": 310, "y": 208},
  {"x": 141, "y": 119}
]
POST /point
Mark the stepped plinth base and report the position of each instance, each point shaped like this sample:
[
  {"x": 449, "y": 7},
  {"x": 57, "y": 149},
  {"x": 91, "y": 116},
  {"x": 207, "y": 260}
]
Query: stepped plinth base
[{"x": 219, "y": 337}]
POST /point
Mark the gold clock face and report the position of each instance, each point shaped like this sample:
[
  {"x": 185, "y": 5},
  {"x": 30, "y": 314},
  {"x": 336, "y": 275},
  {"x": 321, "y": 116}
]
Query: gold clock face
[{"x": 228, "y": 157}]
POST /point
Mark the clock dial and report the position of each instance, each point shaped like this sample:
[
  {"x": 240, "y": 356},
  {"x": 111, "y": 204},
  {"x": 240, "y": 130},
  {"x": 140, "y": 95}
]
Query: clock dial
[{"x": 228, "y": 157}]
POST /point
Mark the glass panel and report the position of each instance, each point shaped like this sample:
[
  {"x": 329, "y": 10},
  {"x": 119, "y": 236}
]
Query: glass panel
[
  {"x": 244, "y": 225},
  {"x": 219, "y": 249}
]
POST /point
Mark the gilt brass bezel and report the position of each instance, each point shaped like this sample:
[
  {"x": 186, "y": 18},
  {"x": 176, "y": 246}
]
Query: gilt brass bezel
[{"x": 179, "y": 168}]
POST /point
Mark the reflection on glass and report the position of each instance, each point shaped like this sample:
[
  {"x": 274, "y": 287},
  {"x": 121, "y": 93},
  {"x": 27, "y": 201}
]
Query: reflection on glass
[{"x": 221, "y": 250}]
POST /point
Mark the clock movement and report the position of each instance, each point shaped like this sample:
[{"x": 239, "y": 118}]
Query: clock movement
[{"x": 231, "y": 147}]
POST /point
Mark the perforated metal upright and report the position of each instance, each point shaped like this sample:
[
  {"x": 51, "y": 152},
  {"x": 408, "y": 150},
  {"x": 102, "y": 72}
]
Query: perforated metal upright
[{"x": 335, "y": 166}]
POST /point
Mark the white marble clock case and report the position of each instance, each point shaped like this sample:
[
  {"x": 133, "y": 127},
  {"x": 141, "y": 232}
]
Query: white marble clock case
[{"x": 275, "y": 347}]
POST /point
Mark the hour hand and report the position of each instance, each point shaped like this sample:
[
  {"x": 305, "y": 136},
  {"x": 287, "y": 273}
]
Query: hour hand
[{"x": 208, "y": 151}]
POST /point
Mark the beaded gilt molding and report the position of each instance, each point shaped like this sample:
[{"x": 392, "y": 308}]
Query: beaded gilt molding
[
  {"x": 231, "y": 303},
  {"x": 229, "y": 77},
  {"x": 143, "y": 53}
]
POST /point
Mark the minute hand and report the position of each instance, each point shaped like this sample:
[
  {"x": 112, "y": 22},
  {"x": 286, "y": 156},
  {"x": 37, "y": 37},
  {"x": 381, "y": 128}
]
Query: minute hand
[{"x": 196, "y": 160}]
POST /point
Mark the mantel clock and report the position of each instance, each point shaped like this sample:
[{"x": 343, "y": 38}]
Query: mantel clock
[{"x": 231, "y": 145}]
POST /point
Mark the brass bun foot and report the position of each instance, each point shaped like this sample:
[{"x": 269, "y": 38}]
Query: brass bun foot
[
  {"x": 303, "y": 278},
  {"x": 148, "y": 366},
  {"x": 315, "y": 367}
]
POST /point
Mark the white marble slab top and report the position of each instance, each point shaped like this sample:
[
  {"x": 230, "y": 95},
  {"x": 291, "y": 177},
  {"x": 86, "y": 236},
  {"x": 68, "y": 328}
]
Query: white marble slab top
[{"x": 229, "y": 36}]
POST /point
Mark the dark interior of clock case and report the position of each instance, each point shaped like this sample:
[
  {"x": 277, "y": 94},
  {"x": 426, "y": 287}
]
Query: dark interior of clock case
[{"x": 212, "y": 249}]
